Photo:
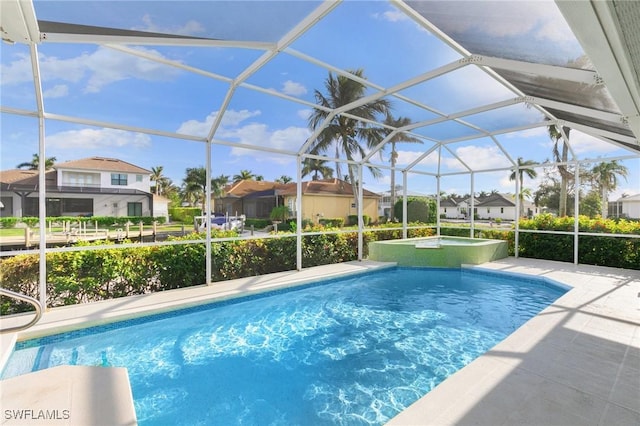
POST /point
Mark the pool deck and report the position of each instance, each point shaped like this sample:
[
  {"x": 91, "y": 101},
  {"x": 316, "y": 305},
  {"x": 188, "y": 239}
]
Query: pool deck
[{"x": 576, "y": 363}]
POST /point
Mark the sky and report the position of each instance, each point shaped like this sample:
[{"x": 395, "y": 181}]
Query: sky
[{"x": 104, "y": 84}]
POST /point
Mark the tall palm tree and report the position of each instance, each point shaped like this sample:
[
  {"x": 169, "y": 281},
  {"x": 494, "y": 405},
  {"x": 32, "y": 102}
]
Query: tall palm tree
[
  {"x": 556, "y": 136},
  {"x": 218, "y": 184},
  {"x": 523, "y": 168},
  {"x": 605, "y": 175},
  {"x": 344, "y": 134},
  {"x": 315, "y": 166},
  {"x": 160, "y": 180},
  {"x": 34, "y": 164},
  {"x": 194, "y": 185},
  {"x": 397, "y": 138},
  {"x": 244, "y": 175}
]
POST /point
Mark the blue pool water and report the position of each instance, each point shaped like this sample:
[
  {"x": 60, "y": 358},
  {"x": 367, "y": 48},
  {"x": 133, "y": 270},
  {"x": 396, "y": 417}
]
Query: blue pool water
[{"x": 352, "y": 351}]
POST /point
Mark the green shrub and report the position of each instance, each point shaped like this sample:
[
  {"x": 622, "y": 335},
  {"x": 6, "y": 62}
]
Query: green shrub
[
  {"x": 419, "y": 209},
  {"x": 184, "y": 214},
  {"x": 257, "y": 223},
  {"x": 336, "y": 222},
  {"x": 8, "y": 222},
  {"x": 352, "y": 220}
]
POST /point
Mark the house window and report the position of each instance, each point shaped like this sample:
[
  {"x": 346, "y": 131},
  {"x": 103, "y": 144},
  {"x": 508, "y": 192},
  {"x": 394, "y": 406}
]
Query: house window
[
  {"x": 119, "y": 179},
  {"x": 291, "y": 204},
  {"x": 488, "y": 210},
  {"x": 134, "y": 209},
  {"x": 445, "y": 209},
  {"x": 138, "y": 178},
  {"x": 501, "y": 209}
]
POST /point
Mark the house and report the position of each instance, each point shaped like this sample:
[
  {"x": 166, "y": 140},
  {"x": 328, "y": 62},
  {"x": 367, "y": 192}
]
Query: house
[
  {"x": 95, "y": 186},
  {"x": 329, "y": 198},
  {"x": 385, "y": 208},
  {"x": 492, "y": 206},
  {"x": 626, "y": 206}
]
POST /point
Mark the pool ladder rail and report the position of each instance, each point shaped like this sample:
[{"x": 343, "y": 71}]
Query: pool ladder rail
[{"x": 23, "y": 298}]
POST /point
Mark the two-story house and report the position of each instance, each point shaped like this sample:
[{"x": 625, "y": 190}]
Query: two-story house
[{"x": 95, "y": 186}]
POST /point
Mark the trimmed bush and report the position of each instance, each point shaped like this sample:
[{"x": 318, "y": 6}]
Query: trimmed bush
[
  {"x": 184, "y": 214},
  {"x": 352, "y": 220},
  {"x": 336, "y": 222}
]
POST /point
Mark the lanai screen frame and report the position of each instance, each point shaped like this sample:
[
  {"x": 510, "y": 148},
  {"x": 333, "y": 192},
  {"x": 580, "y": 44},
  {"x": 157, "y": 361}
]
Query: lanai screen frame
[{"x": 23, "y": 12}]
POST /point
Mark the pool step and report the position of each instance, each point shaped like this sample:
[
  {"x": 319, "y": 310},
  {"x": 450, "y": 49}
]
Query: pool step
[{"x": 69, "y": 395}]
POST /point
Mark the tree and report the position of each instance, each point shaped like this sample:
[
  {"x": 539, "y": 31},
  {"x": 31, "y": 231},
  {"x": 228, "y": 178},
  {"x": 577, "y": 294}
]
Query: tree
[
  {"x": 194, "y": 186},
  {"x": 315, "y": 166},
  {"x": 590, "y": 204},
  {"x": 244, "y": 175},
  {"x": 522, "y": 169},
  {"x": 284, "y": 179},
  {"x": 161, "y": 181},
  {"x": 347, "y": 135},
  {"x": 556, "y": 136},
  {"x": 34, "y": 164},
  {"x": 218, "y": 184},
  {"x": 419, "y": 209},
  {"x": 397, "y": 138},
  {"x": 605, "y": 175}
]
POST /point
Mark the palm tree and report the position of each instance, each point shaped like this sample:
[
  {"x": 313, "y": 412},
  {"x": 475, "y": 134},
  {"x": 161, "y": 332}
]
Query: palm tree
[
  {"x": 605, "y": 175},
  {"x": 194, "y": 185},
  {"x": 218, "y": 184},
  {"x": 522, "y": 169},
  {"x": 284, "y": 179},
  {"x": 315, "y": 166},
  {"x": 556, "y": 136},
  {"x": 397, "y": 138},
  {"x": 161, "y": 181},
  {"x": 244, "y": 175},
  {"x": 345, "y": 134},
  {"x": 34, "y": 164}
]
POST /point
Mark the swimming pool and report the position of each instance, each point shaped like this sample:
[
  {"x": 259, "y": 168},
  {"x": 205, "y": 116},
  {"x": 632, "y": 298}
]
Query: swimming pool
[{"x": 351, "y": 351}]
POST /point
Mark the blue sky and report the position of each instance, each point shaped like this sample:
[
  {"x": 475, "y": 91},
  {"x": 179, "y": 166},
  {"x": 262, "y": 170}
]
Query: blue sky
[{"x": 99, "y": 83}]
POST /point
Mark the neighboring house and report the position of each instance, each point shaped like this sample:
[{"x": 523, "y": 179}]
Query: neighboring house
[
  {"x": 94, "y": 186},
  {"x": 627, "y": 207},
  {"x": 385, "y": 208},
  {"x": 161, "y": 207},
  {"x": 328, "y": 198},
  {"x": 493, "y": 206}
]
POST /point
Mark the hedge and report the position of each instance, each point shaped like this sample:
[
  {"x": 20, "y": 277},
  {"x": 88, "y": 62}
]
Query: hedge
[
  {"x": 103, "y": 221},
  {"x": 92, "y": 275}
]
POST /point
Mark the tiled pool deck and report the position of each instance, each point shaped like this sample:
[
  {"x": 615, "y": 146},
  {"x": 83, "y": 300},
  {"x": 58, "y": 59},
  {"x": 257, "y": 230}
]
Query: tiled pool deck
[{"x": 576, "y": 363}]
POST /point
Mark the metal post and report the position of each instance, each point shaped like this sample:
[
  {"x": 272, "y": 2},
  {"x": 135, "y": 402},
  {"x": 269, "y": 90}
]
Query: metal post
[
  {"x": 576, "y": 222},
  {"x": 360, "y": 196}
]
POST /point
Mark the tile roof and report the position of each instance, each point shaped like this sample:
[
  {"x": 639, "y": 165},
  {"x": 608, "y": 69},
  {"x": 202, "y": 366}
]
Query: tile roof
[
  {"x": 334, "y": 186},
  {"x": 102, "y": 164},
  {"x": 26, "y": 178}
]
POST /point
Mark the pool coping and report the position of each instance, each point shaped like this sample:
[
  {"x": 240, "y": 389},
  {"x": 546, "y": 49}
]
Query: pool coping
[{"x": 593, "y": 323}]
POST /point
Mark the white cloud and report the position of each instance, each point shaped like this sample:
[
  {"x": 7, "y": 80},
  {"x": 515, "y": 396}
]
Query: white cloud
[
  {"x": 479, "y": 158},
  {"x": 583, "y": 143},
  {"x": 101, "y": 67},
  {"x": 391, "y": 16},
  {"x": 57, "y": 91},
  {"x": 289, "y": 139},
  {"x": 189, "y": 28},
  {"x": 408, "y": 157},
  {"x": 231, "y": 119},
  {"x": 304, "y": 113},
  {"x": 233, "y": 128},
  {"x": 108, "y": 66},
  {"x": 97, "y": 138},
  {"x": 17, "y": 71},
  {"x": 292, "y": 88}
]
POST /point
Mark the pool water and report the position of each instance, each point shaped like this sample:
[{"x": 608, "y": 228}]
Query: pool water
[{"x": 353, "y": 351}]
